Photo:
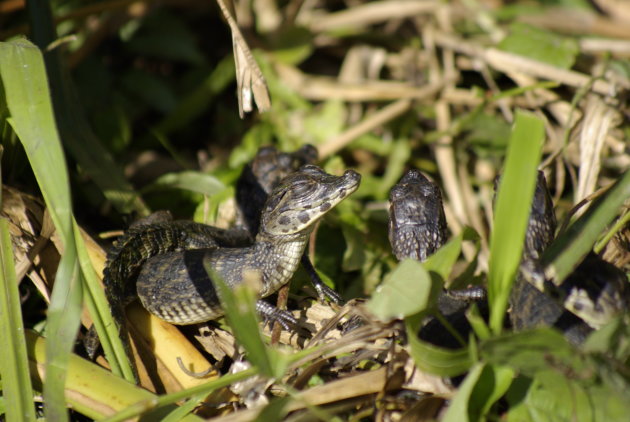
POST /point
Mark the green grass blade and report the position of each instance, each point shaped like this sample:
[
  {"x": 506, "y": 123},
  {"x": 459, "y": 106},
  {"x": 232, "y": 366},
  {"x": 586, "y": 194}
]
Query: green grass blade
[
  {"x": 28, "y": 100},
  {"x": 567, "y": 251},
  {"x": 101, "y": 315},
  {"x": 458, "y": 410},
  {"x": 240, "y": 314},
  {"x": 16, "y": 382},
  {"x": 513, "y": 204}
]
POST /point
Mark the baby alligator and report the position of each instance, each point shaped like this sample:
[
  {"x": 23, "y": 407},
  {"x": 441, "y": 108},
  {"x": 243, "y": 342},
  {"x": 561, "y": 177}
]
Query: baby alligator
[
  {"x": 256, "y": 182},
  {"x": 175, "y": 286},
  {"x": 417, "y": 228},
  {"x": 595, "y": 281}
]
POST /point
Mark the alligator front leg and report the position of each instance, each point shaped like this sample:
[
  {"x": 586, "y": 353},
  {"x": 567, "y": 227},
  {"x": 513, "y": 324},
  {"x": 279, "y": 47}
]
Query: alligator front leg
[{"x": 323, "y": 291}]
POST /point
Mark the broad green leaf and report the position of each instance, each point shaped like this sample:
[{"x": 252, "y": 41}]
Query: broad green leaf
[
  {"x": 16, "y": 381},
  {"x": 553, "y": 396},
  {"x": 513, "y": 205},
  {"x": 541, "y": 45},
  {"x": 529, "y": 351},
  {"x": 407, "y": 290}
]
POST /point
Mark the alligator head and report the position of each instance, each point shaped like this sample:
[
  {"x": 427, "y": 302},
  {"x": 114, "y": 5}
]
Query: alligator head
[
  {"x": 417, "y": 226},
  {"x": 302, "y": 198},
  {"x": 260, "y": 176}
]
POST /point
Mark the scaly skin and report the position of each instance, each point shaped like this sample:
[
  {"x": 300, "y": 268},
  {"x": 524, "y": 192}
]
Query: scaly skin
[
  {"x": 417, "y": 229},
  {"x": 256, "y": 182},
  {"x": 417, "y": 226},
  {"x": 175, "y": 286},
  {"x": 261, "y": 175},
  {"x": 598, "y": 283}
]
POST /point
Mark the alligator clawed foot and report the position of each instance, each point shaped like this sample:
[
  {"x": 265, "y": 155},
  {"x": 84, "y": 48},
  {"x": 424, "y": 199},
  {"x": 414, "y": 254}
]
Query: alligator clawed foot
[{"x": 271, "y": 314}]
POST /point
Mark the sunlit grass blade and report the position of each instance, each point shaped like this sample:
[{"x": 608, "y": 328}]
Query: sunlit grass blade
[
  {"x": 513, "y": 204},
  {"x": 240, "y": 313},
  {"x": 16, "y": 382},
  {"x": 566, "y": 252},
  {"x": 101, "y": 315},
  {"x": 28, "y": 99}
]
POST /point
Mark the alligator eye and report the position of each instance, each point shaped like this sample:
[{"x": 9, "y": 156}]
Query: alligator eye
[{"x": 300, "y": 187}]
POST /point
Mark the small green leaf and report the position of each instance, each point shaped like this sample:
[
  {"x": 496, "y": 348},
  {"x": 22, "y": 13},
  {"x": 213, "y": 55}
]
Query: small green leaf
[
  {"x": 293, "y": 45},
  {"x": 325, "y": 122},
  {"x": 193, "y": 181},
  {"x": 541, "y": 45},
  {"x": 165, "y": 36},
  {"x": 407, "y": 290},
  {"x": 487, "y": 133},
  {"x": 434, "y": 359}
]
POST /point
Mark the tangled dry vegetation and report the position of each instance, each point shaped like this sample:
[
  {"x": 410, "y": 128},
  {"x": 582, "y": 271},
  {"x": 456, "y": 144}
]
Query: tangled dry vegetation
[{"x": 379, "y": 86}]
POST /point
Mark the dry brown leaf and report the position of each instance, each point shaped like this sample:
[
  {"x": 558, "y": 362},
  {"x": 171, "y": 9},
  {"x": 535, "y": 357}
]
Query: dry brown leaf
[{"x": 250, "y": 81}]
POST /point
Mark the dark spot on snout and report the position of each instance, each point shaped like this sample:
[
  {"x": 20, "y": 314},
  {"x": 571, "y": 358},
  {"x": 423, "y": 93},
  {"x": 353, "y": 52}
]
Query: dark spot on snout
[
  {"x": 284, "y": 220},
  {"x": 324, "y": 207},
  {"x": 303, "y": 217}
]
